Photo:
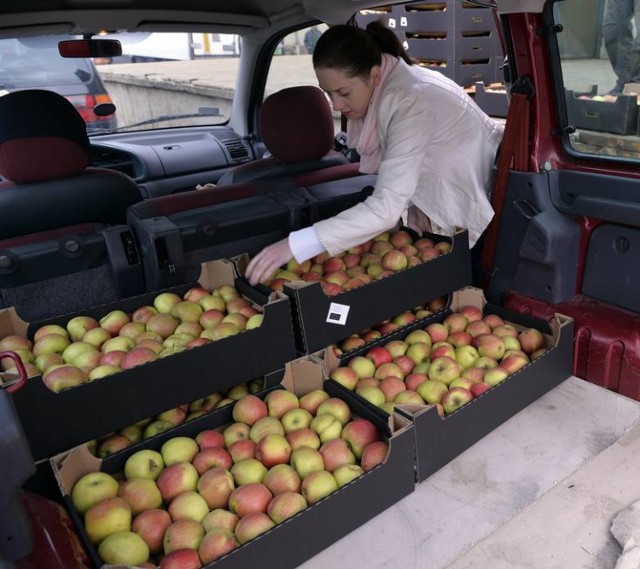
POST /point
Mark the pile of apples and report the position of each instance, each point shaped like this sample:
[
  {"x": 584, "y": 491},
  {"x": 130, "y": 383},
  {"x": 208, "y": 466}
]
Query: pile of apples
[
  {"x": 87, "y": 348},
  {"x": 388, "y": 326},
  {"x": 445, "y": 364},
  {"x": 147, "y": 428},
  {"x": 606, "y": 98},
  {"x": 197, "y": 499},
  {"x": 384, "y": 255}
]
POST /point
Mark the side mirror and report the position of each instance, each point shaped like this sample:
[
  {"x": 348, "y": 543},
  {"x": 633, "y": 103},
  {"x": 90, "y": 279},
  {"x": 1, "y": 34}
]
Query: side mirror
[{"x": 90, "y": 48}]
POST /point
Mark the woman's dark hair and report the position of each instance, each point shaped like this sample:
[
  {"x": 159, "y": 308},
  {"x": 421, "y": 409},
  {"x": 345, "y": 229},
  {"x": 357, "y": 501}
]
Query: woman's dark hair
[{"x": 355, "y": 50}]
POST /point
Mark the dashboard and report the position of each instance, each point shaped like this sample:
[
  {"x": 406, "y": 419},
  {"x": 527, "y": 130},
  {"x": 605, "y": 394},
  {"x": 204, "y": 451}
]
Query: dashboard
[{"x": 167, "y": 161}]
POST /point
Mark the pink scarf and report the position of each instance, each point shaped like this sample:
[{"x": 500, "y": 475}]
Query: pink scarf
[{"x": 363, "y": 133}]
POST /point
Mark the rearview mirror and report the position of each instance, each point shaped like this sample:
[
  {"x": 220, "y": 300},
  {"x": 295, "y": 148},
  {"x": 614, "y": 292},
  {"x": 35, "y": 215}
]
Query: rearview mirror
[{"x": 90, "y": 48}]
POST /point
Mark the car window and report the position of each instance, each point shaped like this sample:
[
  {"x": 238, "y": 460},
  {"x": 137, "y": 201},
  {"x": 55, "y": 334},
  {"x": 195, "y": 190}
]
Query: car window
[
  {"x": 291, "y": 64},
  {"x": 597, "y": 89}
]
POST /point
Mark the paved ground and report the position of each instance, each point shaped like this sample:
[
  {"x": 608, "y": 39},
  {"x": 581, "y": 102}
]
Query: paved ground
[{"x": 539, "y": 492}]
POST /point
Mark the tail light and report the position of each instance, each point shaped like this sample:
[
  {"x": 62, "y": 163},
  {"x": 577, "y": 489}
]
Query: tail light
[{"x": 84, "y": 104}]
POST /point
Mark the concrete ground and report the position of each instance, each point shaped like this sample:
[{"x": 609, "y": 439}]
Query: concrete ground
[{"x": 539, "y": 492}]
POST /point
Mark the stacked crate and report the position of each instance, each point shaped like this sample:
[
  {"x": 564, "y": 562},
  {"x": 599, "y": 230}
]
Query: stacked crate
[{"x": 459, "y": 39}]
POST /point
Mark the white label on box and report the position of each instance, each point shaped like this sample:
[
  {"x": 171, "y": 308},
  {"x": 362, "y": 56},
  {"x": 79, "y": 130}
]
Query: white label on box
[
  {"x": 403, "y": 22},
  {"x": 392, "y": 22},
  {"x": 338, "y": 313}
]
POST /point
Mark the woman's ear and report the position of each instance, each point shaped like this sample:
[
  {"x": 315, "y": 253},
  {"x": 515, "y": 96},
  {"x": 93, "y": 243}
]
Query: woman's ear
[{"x": 374, "y": 75}]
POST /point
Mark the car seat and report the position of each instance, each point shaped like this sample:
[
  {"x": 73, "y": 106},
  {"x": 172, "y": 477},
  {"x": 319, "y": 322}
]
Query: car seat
[
  {"x": 63, "y": 227},
  {"x": 296, "y": 126}
]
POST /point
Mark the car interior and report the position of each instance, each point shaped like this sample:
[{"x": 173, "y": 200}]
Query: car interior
[{"x": 209, "y": 156}]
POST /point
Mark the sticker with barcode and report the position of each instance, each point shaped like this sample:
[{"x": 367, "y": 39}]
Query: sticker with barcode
[{"x": 338, "y": 313}]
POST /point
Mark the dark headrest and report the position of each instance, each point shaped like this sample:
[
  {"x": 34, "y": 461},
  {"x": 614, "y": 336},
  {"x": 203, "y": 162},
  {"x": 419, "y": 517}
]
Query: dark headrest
[
  {"x": 42, "y": 137},
  {"x": 296, "y": 124}
]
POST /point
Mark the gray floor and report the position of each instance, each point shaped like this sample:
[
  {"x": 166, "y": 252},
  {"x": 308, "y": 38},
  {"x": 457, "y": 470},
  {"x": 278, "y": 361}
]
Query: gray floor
[
  {"x": 580, "y": 74},
  {"x": 538, "y": 492}
]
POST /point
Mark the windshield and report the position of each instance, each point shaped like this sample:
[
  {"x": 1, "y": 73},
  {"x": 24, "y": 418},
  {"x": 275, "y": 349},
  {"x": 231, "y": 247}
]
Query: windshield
[
  {"x": 180, "y": 79},
  {"x": 28, "y": 63},
  {"x": 161, "y": 80}
]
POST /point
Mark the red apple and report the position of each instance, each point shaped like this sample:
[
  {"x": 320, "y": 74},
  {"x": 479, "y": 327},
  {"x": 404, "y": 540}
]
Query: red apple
[
  {"x": 177, "y": 478},
  {"x": 414, "y": 380},
  {"x": 489, "y": 345},
  {"x": 215, "y": 486},
  {"x": 473, "y": 313},
  {"x": 335, "y": 453},
  {"x": 477, "y": 327},
  {"x": 273, "y": 449},
  {"x": 252, "y": 525},
  {"x": 305, "y": 437},
  {"x": 280, "y": 401},
  {"x": 374, "y": 454},
  {"x": 151, "y": 525},
  {"x": 358, "y": 434},
  {"x": 345, "y": 376},
  {"x": 249, "y": 409},
  {"x": 212, "y": 457},
  {"x": 282, "y": 478},
  {"x": 438, "y": 332},
  {"x": 531, "y": 340},
  {"x": 249, "y": 498},
  {"x": 479, "y": 388},
  {"x": 209, "y": 438},
  {"x": 242, "y": 449},
  {"x": 285, "y": 505},
  {"x": 185, "y": 558},
  {"x": 379, "y": 355},
  {"x": 183, "y": 534}
]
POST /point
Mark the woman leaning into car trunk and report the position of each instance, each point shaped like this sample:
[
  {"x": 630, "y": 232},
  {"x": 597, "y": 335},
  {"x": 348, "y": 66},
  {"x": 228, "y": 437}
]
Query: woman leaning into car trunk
[{"x": 432, "y": 148}]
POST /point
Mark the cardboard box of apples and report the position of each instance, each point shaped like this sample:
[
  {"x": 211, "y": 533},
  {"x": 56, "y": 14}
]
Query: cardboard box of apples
[
  {"x": 266, "y": 482},
  {"x": 603, "y": 113},
  {"x": 117, "y": 364},
  {"x": 458, "y": 373},
  {"x": 333, "y": 297}
]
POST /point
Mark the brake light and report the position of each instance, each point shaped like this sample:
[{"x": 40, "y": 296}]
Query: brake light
[{"x": 84, "y": 104}]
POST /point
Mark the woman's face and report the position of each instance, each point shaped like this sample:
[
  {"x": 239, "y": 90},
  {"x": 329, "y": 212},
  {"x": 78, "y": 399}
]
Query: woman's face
[{"x": 349, "y": 95}]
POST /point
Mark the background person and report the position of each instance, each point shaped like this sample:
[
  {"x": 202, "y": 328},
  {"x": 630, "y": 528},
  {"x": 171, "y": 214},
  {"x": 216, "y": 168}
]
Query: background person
[
  {"x": 623, "y": 49},
  {"x": 431, "y": 146}
]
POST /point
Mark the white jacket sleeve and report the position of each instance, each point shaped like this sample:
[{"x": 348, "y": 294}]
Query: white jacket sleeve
[{"x": 402, "y": 127}]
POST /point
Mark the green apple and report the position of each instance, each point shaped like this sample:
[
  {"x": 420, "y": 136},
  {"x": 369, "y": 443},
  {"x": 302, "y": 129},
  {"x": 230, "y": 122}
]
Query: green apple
[
  {"x": 346, "y": 473},
  {"x": 179, "y": 449},
  {"x": 432, "y": 391},
  {"x": 306, "y": 460},
  {"x": 296, "y": 419},
  {"x": 189, "y": 505},
  {"x": 165, "y": 301},
  {"x": 124, "y": 548},
  {"x": 248, "y": 471},
  {"x": 327, "y": 427},
  {"x": 91, "y": 489},
  {"x": 317, "y": 485}
]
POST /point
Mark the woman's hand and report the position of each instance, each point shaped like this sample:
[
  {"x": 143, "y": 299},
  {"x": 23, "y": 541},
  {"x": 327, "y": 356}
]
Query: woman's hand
[
  {"x": 418, "y": 220},
  {"x": 263, "y": 265}
]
